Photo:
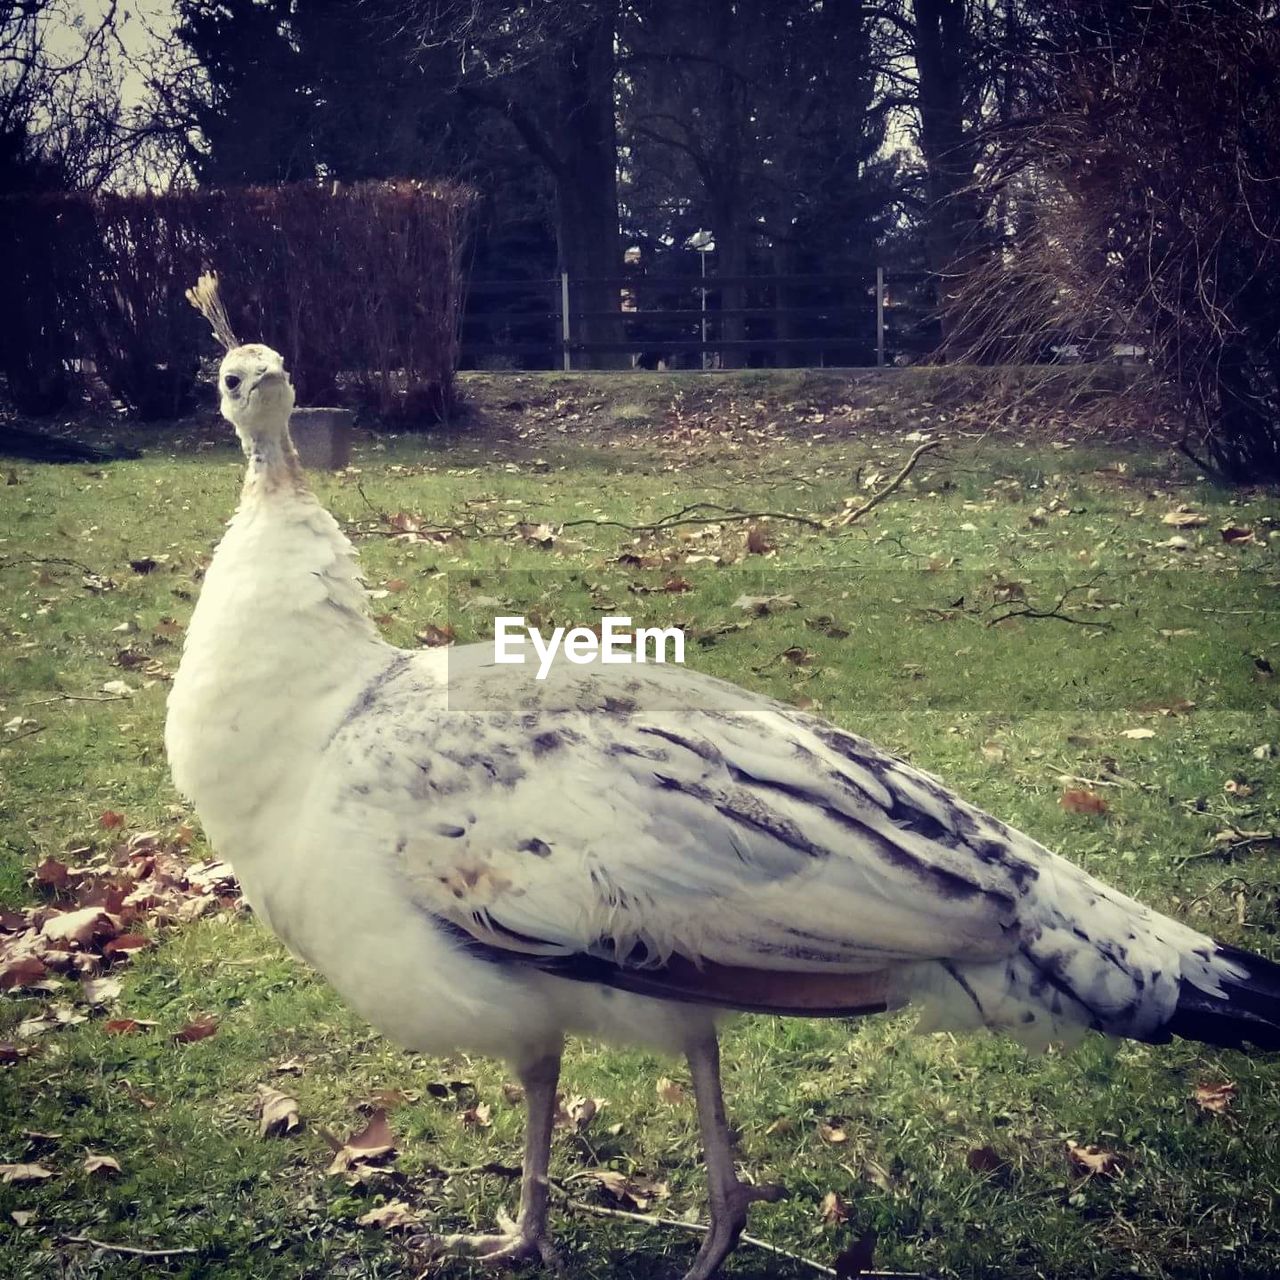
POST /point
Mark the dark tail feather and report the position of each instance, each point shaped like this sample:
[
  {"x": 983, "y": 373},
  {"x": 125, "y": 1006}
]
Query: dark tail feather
[{"x": 1248, "y": 1013}]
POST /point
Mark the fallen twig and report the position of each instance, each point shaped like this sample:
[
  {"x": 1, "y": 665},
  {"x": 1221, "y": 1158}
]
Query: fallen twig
[
  {"x": 78, "y": 697},
  {"x": 12, "y": 561},
  {"x": 722, "y": 515},
  {"x": 1228, "y": 848},
  {"x": 698, "y": 1228},
  {"x": 18, "y": 737},
  {"x": 654, "y": 1220},
  {"x": 1056, "y": 613},
  {"x": 846, "y": 518},
  {"x": 133, "y": 1251}
]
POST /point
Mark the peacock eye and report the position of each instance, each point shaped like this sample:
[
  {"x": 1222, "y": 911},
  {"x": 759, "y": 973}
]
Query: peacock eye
[{"x": 231, "y": 381}]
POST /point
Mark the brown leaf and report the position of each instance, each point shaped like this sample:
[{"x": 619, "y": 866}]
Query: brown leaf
[
  {"x": 395, "y": 1215},
  {"x": 832, "y": 1132},
  {"x": 1081, "y": 801},
  {"x": 127, "y": 1026},
  {"x": 833, "y": 1209},
  {"x": 77, "y": 928},
  {"x": 1215, "y": 1098},
  {"x": 576, "y": 1113},
  {"x": 125, "y": 943},
  {"x": 857, "y": 1258},
  {"x": 1093, "y": 1160},
  {"x": 373, "y": 1142},
  {"x": 97, "y": 991},
  {"x": 21, "y": 972},
  {"x": 200, "y": 1028},
  {"x": 760, "y": 606},
  {"x": 24, "y": 1173},
  {"x": 277, "y": 1113},
  {"x": 107, "y": 1166},
  {"x": 479, "y": 1116},
  {"x": 670, "y": 1092},
  {"x": 52, "y": 874},
  {"x": 109, "y": 820},
  {"x": 1184, "y": 518},
  {"x": 1237, "y": 536},
  {"x": 513, "y": 1093},
  {"x": 758, "y": 543},
  {"x": 637, "y": 1191},
  {"x": 395, "y": 584},
  {"x": 435, "y": 637},
  {"x": 676, "y": 584}
]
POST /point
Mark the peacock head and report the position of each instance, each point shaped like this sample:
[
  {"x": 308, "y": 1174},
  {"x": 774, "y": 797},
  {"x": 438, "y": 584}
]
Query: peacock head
[{"x": 257, "y": 396}]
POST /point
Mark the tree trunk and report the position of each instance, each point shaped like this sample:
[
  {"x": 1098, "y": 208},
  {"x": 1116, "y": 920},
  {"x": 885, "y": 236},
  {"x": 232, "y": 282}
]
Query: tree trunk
[
  {"x": 952, "y": 223},
  {"x": 587, "y": 230}
]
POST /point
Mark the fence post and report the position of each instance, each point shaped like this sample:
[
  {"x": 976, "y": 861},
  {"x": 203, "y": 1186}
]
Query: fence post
[
  {"x": 564, "y": 320},
  {"x": 879, "y": 317}
]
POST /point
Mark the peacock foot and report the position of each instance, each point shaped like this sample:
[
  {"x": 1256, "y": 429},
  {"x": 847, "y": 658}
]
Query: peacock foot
[{"x": 509, "y": 1246}]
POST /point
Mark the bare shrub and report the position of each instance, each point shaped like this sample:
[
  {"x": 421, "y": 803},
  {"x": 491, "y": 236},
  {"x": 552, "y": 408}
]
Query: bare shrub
[
  {"x": 1150, "y": 212},
  {"x": 358, "y": 287}
]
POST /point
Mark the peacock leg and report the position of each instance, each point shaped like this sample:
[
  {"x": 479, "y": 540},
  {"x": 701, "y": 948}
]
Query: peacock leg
[
  {"x": 729, "y": 1197},
  {"x": 526, "y": 1239}
]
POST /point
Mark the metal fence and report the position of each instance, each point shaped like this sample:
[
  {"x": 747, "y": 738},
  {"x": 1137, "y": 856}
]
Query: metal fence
[{"x": 698, "y": 321}]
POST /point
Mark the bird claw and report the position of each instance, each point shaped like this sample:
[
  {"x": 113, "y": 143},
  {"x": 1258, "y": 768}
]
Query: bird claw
[
  {"x": 507, "y": 1247},
  {"x": 748, "y": 1193}
]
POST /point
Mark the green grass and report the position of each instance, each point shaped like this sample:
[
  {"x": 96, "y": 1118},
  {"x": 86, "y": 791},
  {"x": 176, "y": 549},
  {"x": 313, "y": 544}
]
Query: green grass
[{"x": 892, "y": 636}]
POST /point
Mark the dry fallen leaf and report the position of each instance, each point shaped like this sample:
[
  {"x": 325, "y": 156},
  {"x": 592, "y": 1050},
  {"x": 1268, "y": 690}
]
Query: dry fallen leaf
[
  {"x": 200, "y": 1028},
  {"x": 762, "y": 605},
  {"x": 833, "y": 1210},
  {"x": 108, "y": 820},
  {"x": 277, "y": 1113},
  {"x": 77, "y": 927},
  {"x": 758, "y": 543},
  {"x": 1215, "y": 1098},
  {"x": 126, "y": 1026},
  {"x": 832, "y": 1133},
  {"x": 478, "y": 1117},
  {"x": 637, "y": 1191},
  {"x": 1081, "y": 801},
  {"x": 395, "y": 1215},
  {"x": 107, "y": 1166},
  {"x": 1138, "y": 734},
  {"x": 1184, "y": 518},
  {"x": 1093, "y": 1160},
  {"x": 434, "y": 637},
  {"x": 576, "y": 1113},
  {"x": 100, "y": 991},
  {"x": 373, "y": 1142},
  {"x": 24, "y": 1173},
  {"x": 669, "y": 1091},
  {"x": 1236, "y": 536}
]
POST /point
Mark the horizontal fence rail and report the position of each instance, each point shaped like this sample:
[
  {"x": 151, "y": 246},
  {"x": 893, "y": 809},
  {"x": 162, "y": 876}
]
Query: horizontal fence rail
[{"x": 697, "y": 321}]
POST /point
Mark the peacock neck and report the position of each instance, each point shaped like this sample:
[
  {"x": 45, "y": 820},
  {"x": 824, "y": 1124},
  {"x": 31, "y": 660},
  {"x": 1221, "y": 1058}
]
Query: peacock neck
[{"x": 273, "y": 466}]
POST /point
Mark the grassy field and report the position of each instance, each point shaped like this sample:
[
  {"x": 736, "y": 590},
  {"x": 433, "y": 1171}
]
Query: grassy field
[{"x": 1151, "y": 690}]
